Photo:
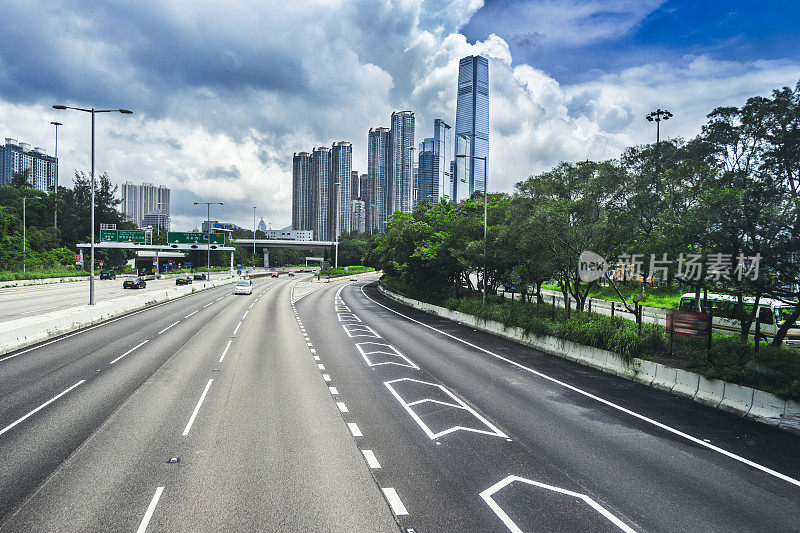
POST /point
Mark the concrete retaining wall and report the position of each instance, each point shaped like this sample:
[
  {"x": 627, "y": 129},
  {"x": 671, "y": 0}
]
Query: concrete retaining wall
[
  {"x": 24, "y": 332},
  {"x": 744, "y": 401}
]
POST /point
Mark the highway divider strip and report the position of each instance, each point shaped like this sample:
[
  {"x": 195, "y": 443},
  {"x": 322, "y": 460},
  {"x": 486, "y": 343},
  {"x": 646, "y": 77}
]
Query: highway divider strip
[{"x": 737, "y": 399}]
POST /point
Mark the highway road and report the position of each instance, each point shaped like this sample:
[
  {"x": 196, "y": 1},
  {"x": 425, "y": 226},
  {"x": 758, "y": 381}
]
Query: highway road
[{"x": 324, "y": 406}]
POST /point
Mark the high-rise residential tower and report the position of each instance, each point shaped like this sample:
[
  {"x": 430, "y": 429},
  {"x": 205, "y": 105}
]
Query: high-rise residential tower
[
  {"x": 401, "y": 161},
  {"x": 341, "y": 175},
  {"x": 321, "y": 189},
  {"x": 435, "y": 155},
  {"x": 301, "y": 191},
  {"x": 17, "y": 157},
  {"x": 472, "y": 126},
  {"x": 379, "y": 202},
  {"x": 144, "y": 199},
  {"x": 355, "y": 185}
]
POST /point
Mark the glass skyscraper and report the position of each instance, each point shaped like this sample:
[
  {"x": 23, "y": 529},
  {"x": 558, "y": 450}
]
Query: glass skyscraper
[
  {"x": 472, "y": 126},
  {"x": 378, "y": 205},
  {"x": 341, "y": 173},
  {"x": 401, "y": 161},
  {"x": 301, "y": 191}
]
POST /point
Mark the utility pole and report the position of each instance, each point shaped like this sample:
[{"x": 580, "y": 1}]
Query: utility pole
[
  {"x": 55, "y": 187},
  {"x": 657, "y": 116},
  {"x": 208, "y": 235}
]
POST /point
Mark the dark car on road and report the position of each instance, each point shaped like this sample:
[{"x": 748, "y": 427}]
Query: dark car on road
[
  {"x": 134, "y": 283},
  {"x": 200, "y": 276},
  {"x": 108, "y": 274},
  {"x": 183, "y": 280},
  {"x": 291, "y": 273}
]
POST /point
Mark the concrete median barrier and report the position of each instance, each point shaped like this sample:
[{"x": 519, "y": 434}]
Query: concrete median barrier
[
  {"x": 737, "y": 398},
  {"x": 767, "y": 407},
  {"x": 645, "y": 371},
  {"x": 686, "y": 383},
  {"x": 710, "y": 391},
  {"x": 23, "y": 332},
  {"x": 666, "y": 378}
]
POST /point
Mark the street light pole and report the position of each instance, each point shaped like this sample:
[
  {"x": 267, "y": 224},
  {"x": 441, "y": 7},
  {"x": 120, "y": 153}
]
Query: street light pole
[
  {"x": 254, "y": 236},
  {"x": 93, "y": 111},
  {"x": 657, "y": 116},
  {"x": 55, "y": 188},
  {"x": 336, "y": 247},
  {"x": 485, "y": 216},
  {"x": 208, "y": 235}
]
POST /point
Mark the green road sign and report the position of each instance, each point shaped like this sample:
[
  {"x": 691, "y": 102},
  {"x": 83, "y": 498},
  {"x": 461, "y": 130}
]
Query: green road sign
[
  {"x": 121, "y": 235},
  {"x": 188, "y": 237}
]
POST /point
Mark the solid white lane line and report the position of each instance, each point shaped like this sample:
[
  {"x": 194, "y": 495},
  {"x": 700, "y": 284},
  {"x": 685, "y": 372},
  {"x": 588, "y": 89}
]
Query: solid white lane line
[
  {"x": 129, "y": 351},
  {"x": 394, "y": 501},
  {"x": 334, "y": 390},
  {"x": 45, "y": 404},
  {"x": 634, "y": 414},
  {"x": 326, "y": 377},
  {"x": 150, "y": 510},
  {"x": 166, "y": 328},
  {"x": 245, "y": 314},
  {"x": 225, "y": 351},
  {"x": 342, "y": 407},
  {"x": 197, "y": 408},
  {"x": 237, "y": 328},
  {"x": 354, "y": 429},
  {"x": 190, "y": 314},
  {"x": 372, "y": 461}
]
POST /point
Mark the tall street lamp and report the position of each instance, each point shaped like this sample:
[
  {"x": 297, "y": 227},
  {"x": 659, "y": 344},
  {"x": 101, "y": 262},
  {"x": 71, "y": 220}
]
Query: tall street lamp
[
  {"x": 55, "y": 188},
  {"x": 657, "y": 116},
  {"x": 93, "y": 111},
  {"x": 208, "y": 234},
  {"x": 485, "y": 211},
  {"x": 254, "y": 235}
]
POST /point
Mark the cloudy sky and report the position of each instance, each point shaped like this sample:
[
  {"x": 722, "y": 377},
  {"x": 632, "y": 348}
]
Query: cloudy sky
[{"x": 223, "y": 92}]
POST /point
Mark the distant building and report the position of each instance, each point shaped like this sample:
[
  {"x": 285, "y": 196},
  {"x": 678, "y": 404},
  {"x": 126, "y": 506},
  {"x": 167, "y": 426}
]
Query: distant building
[
  {"x": 157, "y": 221},
  {"x": 358, "y": 215},
  {"x": 301, "y": 191},
  {"x": 144, "y": 199},
  {"x": 17, "y": 157},
  {"x": 472, "y": 125},
  {"x": 355, "y": 185},
  {"x": 321, "y": 193},
  {"x": 341, "y": 174},
  {"x": 262, "y": 226},
  {"x": 401, "y": 161},
  {"x": 379, "y": 205},
  {"x": 435, "y": 155}
]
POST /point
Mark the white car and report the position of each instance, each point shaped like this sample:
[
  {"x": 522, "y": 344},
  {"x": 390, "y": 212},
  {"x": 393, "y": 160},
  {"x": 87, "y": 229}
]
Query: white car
[{"x": 244, "y": 286}]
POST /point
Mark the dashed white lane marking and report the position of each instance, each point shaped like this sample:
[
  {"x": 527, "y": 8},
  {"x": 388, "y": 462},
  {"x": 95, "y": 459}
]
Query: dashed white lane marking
[
  {"x": 394, "y": 501},
  {"x": 225, "y": 351},
  {"x": 166, "y": 328},
  {"x": 309, "y": 344},
  {"x": 150, "y": 510},
  {"x": 190, "y": 314},
  {"x": 372, "y": 461},
  {"x": 634, "y": 414},
  {"x": 316, "y": 358},
  {"x": 342, "y": 407},
  {"x": 245, "y": 314},
  {"x": 378, "y": 349},
  {"x": 326, "y": 377},
  {"x": 313, "y": 351},
  {"x": 129, "y": 351},
  {"x": 45, "y": 404},
  {"x": 197, "y": 408},
  {"x": 354, "y": 429},
  {"x": 512, "y": 526},
  {"x": 321, "y": 366},
  {"x": 209, "y": 303},
  {"x": 252, "y": 304},
  {"x": 334, "y": 390},
  {"x": 237, "y": 327}
]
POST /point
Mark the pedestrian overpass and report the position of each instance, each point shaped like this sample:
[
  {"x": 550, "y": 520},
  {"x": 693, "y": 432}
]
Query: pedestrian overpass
[{"x": 265, "y": 245}]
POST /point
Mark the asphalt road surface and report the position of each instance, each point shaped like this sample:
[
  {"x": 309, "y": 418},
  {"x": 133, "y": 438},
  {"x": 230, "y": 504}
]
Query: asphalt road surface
[{"x": 326, "y": 407}]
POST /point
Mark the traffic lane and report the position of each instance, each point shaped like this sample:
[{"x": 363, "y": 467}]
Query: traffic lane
[
  {"x": 33, "y": 300},
  {"x": 626, "y": 446},
  {"x": 36, "y": 446},
  {"x": 295, "y": 467},
  {"x": 219, "y": 478},
  {"x": 768, "y": 445},
  {"x": 436, "y": 469}
]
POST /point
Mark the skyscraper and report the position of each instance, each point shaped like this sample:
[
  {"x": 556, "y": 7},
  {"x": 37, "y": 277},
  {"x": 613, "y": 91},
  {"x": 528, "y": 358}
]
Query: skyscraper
[
  {"x": 301, "y": 191},
  {"x": 144, "y": 199},
  {"x": 358, "y": 223},
  {"x": 321, "y": 190},
  {"x": 341, "y": 173},
  {"x": 435, "y": 155},
  {"x": 355, "y": 185},
  {"x": 17, "y": 157},
  {"x": 379, "y": 206},
  {"x": 262, "y": 226},
  {"x": 401, "y": 161},
  {"x": 472, "y": 125}
]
